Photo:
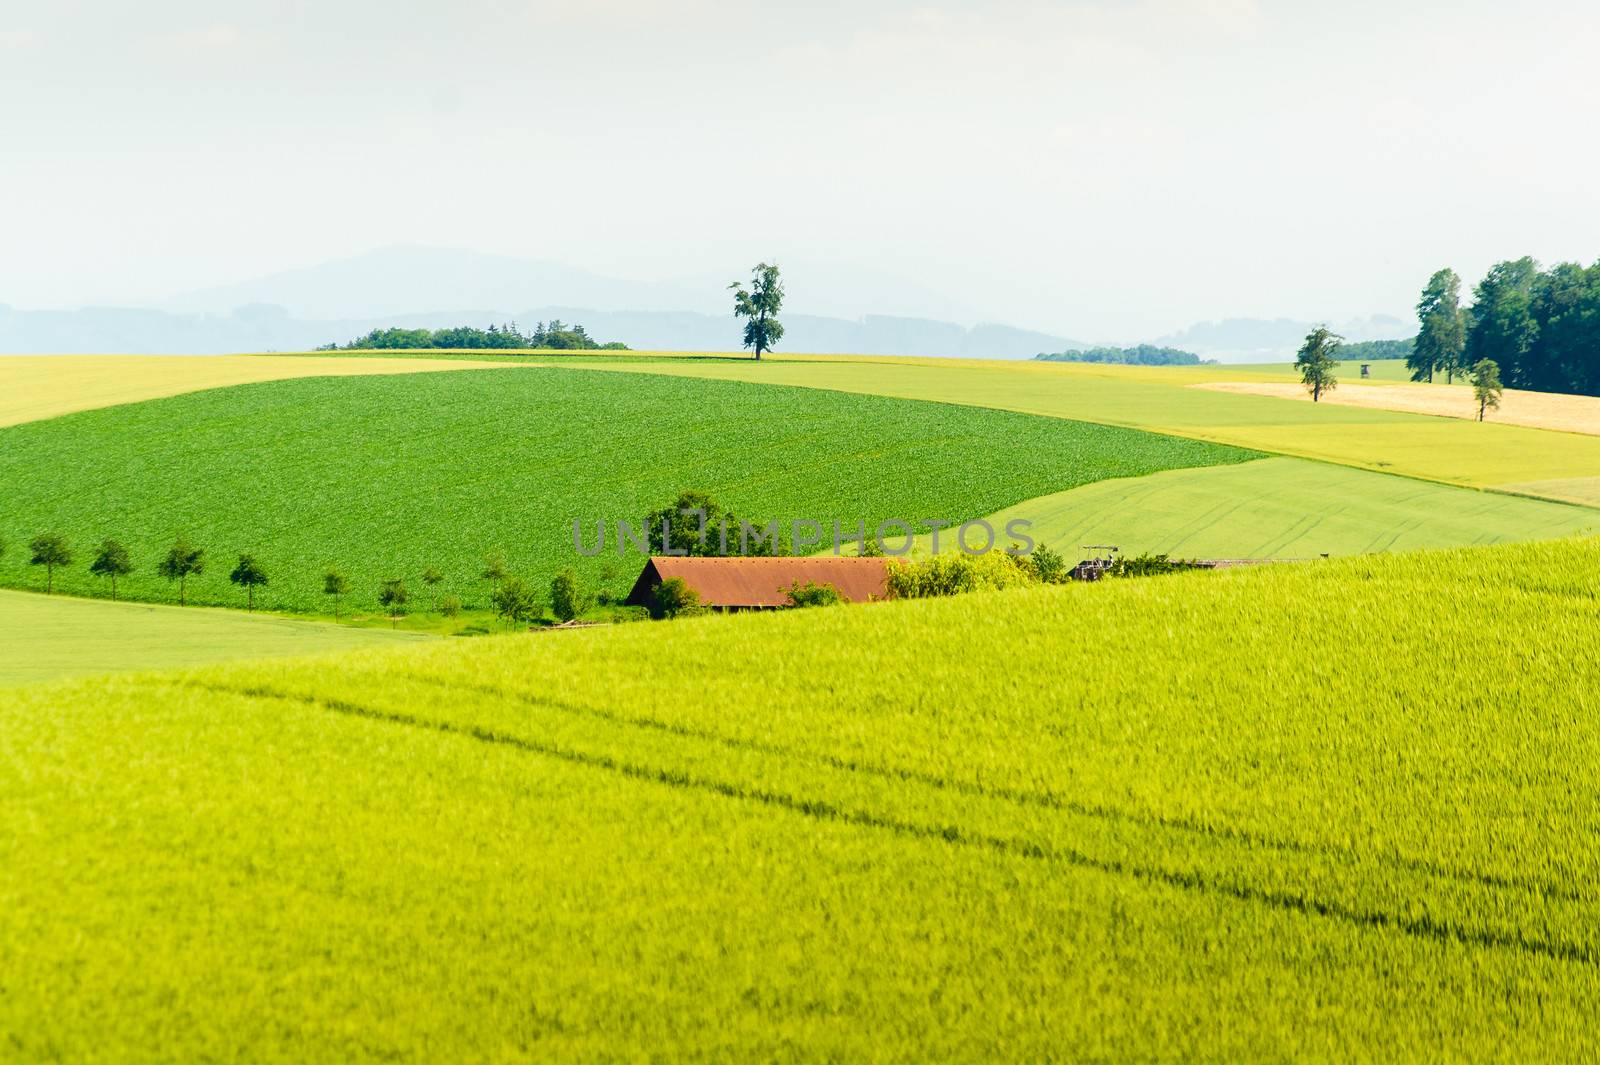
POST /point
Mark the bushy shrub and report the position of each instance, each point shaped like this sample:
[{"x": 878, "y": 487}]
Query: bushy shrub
[
  {"x": 568, "y": 599},
  {"x": 450, "y": 606},
  {"x": 1147, "y": 566},
  {"x": 814, "y": 594},
  {"x": 674, "y": 598},
  {"x": 954, "y": 573}
]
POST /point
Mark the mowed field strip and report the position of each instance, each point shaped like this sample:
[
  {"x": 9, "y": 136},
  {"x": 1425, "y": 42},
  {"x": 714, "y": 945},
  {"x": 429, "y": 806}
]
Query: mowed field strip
[
  {"x": 1537, "y": 410},
  {"x": 1336, "y": 811},
  {"x": 1561, "y": 465},
  {"x": 50, "y": 637},
  {"x": 1284, "y": 508},
  {"x": 35, "y": 387}
]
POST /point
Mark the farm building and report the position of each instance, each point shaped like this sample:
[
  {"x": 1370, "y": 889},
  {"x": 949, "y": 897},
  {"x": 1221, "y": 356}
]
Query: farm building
[{"x": 762, "y": 583}]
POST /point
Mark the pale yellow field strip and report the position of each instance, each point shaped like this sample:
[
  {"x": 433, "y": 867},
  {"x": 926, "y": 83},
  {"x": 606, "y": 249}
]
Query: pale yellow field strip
[
  {"x": 34, "y": 387},
  {"x": 1535, "y": 410}
]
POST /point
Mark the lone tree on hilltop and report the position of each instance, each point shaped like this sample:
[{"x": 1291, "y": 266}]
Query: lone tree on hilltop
[
  {"x": 1316, "y": 361},
  {"x": 249, "y": 575},
  {"x": 182, "y": 562},
  {"x": 111, "y": 561},
  {"x": 760, "y": 303},
  {"x": 1442, "y": 338},
  {"x": 335, "y": 584},
  {"x": 1486, "y": 387},
  {"x": 50, "y": 550},
  {"x": 393, "y": 595}
]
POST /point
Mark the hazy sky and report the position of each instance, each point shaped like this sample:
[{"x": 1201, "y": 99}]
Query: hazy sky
[{"x": 1101, "y": 169}]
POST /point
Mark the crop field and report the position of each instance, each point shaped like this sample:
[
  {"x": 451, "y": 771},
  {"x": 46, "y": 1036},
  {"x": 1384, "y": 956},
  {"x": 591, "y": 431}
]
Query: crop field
[
  {"x": 52, "y": 637},
  {"x": 1285, "y": 508},
  {"x": 1335, "y": 811},
  {"x": 386, "y": 476},
  {"x": 1452, "y": 451},
  {"x": 35, "y": 387},
  {"x": 1538, "y": 410}
]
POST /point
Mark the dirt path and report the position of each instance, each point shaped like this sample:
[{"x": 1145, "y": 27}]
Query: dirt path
[{"x": 1535, "y": 410}]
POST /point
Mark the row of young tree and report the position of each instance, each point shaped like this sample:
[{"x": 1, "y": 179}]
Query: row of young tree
[
  {"x": 1541, "y": 328},
  {"x": 113, "y": 561},
  {"x": 513, "y": 598},
  {"x": 552, "y": 336}
]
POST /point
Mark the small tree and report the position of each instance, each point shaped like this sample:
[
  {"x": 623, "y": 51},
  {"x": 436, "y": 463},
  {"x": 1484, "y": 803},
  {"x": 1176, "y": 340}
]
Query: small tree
[
  {"x": 182, "y": 562},
  {"x": 814, "y": 594},
  {"x": 393, "y": 595},
  {"x": 249, "y": 575},
  {"x": 432, "y": 578},
  {"x": 450, "y": 606},
  {"x": 111, "y": 561},
  {"x": 673, "y": 598},
  {"x": 760, "y": 304},
  {"x": 1316, "y": 361},
  {"x": 50, "y": 550},
  {"x": 1486, "y": 386},
  {"x": 494, "y": 568},
  {"x": 514, "y": 601},
  {"x": 568, "y": 599},
  {"x": 335, "y": 584},
  {"x": 1048, "y": 565}
]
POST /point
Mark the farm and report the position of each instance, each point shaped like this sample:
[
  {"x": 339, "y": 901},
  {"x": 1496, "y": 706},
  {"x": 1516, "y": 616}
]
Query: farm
[
  {"x": 516, "y": 848},
  {"x": 386, "y": 476}
]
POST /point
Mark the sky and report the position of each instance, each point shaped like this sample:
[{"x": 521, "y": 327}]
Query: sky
[{"x": 1106, "y": 169}]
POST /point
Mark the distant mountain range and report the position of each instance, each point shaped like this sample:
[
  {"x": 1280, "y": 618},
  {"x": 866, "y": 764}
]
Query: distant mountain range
[{"x": 832, "y": 309}]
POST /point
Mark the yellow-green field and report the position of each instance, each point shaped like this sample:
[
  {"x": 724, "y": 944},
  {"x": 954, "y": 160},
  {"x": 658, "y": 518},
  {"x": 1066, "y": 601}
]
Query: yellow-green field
[
  {"x": 1329, "y": 812},
  {"x": 50, "y": 637},
  {"x": 1284, "y": 508}
]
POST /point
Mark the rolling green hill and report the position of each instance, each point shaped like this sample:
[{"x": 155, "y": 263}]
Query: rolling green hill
[
  {"x": 385, "y": 476},
  {"x": 51, "y": 637},
  {"x": 1335, "y": 811}
]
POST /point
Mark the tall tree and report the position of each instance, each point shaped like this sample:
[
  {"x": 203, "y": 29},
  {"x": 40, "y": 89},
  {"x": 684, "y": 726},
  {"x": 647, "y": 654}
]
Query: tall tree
[
  {"x": 1316, "y": 361},
  {"x": 50, "y": 550},
  {"x": 111, "y": 561},
  {"x": 335, "y": 584},
  {"x": 249, "y": 575},
  {"x": 568, "y": 599},
  {"x": 182, "y": 562},
  {"x": 760, "y": 303},
  {"x": 1486, "y": 386},
  {"x": 1442, "y": 337},
  {"x": 1504, "y": 329},
  {"x": 432, "y": 577}
]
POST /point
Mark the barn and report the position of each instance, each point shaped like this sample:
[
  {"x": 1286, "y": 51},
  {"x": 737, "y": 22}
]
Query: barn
[{"x": 762, "y": 583}]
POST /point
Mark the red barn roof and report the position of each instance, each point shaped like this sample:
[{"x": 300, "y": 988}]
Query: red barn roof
[{"x": 763, "y": 582}]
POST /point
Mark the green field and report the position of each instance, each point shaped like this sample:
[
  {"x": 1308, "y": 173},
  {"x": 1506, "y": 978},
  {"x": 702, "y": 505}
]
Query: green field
[
  {"x": 1285, "y": 508},
  {"x": 1335, "y": 811},
  {"x": 385, "y": 476},
  {"x": 50, "y": 637},
  {"x": 1449, "y": 450}
]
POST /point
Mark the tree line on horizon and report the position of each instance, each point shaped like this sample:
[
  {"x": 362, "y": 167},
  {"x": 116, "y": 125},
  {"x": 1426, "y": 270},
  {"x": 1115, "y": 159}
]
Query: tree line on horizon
[
  {"x": 553, "y": 336},
  {"x": 1540, "y": 327},
  {"x": 1138, "y": 355}
]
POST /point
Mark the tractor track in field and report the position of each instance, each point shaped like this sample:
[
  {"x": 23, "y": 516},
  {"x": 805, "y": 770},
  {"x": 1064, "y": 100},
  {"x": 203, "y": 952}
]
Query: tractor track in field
[{"x": 1417, "y": 926}]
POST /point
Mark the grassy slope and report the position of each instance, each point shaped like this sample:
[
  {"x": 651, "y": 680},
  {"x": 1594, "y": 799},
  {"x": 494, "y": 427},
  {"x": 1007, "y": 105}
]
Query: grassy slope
[
  {"x": 48, "y": 637},
  {"x": 1316, "y": 812},
  {"x": 1286, "y": 508},
  {"x": 34, "y": 387},
  {"x": 388, "y": 475},
  {"x": 1562, "y": 465}
]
